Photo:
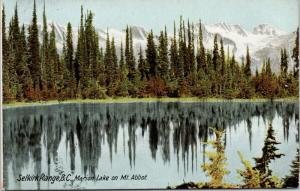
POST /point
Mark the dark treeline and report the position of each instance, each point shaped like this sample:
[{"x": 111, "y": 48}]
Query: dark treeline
[{"x": 168, "y": 67}]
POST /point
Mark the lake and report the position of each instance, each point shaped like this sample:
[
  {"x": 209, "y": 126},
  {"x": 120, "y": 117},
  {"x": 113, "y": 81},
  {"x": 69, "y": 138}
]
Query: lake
[{"x": 163, "y": 141}]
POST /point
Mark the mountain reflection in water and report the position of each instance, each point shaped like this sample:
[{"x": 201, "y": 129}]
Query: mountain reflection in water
[{"x": 146, "y": 138}]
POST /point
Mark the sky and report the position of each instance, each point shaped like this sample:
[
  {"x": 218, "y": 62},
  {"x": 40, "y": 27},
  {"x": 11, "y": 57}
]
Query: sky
[{"x": 155, "y": 14}]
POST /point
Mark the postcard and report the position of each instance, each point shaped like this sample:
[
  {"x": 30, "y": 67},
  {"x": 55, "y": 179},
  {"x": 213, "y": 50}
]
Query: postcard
[{"x": 149, "y": 94}]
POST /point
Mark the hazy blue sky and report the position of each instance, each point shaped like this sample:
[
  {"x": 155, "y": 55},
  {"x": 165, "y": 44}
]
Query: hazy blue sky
[{"x": 157, "y": 13}]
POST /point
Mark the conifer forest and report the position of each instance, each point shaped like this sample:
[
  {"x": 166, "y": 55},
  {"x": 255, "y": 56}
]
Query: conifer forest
[{"x": 34, "y": 70}]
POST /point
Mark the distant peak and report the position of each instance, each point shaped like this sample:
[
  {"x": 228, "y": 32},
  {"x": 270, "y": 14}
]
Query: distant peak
[
  {"x": 267, "y": 29},
  {"x": 228, "y": 28}
]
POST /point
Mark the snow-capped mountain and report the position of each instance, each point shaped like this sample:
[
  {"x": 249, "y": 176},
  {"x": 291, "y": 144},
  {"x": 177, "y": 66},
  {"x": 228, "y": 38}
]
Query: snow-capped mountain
[
  {"x": 265, "y": 29},
  {"x": 263, "y": 41}
]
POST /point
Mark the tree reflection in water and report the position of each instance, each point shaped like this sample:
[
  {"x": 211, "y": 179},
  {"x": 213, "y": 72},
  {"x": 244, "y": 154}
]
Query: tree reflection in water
[{"x": 29, "y": 130}]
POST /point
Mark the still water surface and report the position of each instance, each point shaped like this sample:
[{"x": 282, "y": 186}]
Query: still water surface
[{"x": 161, "y": 140}]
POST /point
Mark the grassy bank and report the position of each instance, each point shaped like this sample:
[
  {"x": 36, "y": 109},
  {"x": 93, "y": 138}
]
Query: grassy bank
[{"x": 135, "y": 100}]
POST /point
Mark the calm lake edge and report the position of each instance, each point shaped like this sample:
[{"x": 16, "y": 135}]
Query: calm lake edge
[{"x": 142, "y": 100}]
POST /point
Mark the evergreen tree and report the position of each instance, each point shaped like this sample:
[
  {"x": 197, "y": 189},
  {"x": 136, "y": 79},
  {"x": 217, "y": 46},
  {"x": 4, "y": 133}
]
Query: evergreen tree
[
  {"x": 68, "y": 64},
  {"x": 283, "y": 63},
  {"x": 127, "y": 47},
  {"x": 163, "y": 60},
  {"x": 269, "y": 153},
  {"x": 129, "y": 54},
  {"x": 292, "y": 180},
  {"x": 247, "y": 69},
  {"x": 268, "y": 71},
  {"x": 69, "y": 57},
  {"x": 33, "y": 50},
  {"x": 201, "y": 61},
  {"x": 16, "y": 49},
  {"x": 141, "y": 65},
  {"x": 95, "y": 55},
  {"x": 151, "y": 55},
  {"x": 4, "y": 37},
  {"x": 295, "y": 55},
  {"x": 108, "y": 61},
  {"x": 181, "y": 56},
  {"x": 215, "y": 58},
  {"x": 90, "y": 50},
  {"x": 122, "y": 60},
  {"x": 79, "y": 58},
  {"x": 15, "y": 34},
  {"x": 45, "y": 52},
  {"x": 114, "y": 59},
  {"x": 190, "y": 57},
  {"x": 222, "y": 58},
  {"x": 131, "y": 66},
  {"x": 101, "y": 68},
  {"x": 114, "y": 81},
  {"x": 123, "y": 88},
  {"x": 54, "y": 71},
  {"x": 174, "y": 55}
]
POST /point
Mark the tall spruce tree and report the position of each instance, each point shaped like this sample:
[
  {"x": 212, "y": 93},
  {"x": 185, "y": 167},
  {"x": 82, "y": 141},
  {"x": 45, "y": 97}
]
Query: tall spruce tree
[
  {"x": 141, "y": 65},
  {"x": 181, "y": 53},
  {"x": 269, "y": 153},
  {"x": 283, "y": 63},
  {"x": 131, "y": 66},
  {"x": 151, "y": 55},
  {"x": 268, "y": 68},
  {"x": 69, "y": 57},
  {"x": 174, "y": 55},
  {"x": 201, "y": 61},
  {"x": 16, "y": 52},
  {"x": 69, "y": 65},
  {"x": 222, "y": 58},
  {"x": 215, "y": 59},
  {"x": 114, "y": 60},
  {"x": 54, "y": 71},
  {"x": 163, "y": 60},
  {"x": 247, "y": 69},
  {"x": 112, "y": 66},
  {"x": 33, "y": 51},
  {"x": 4, "y": 36},
  {"x": 45, "y": 51},
  {"x": 79, "y": 58},
  {"x": 127, "y": 47},
  {"x": 129, "y": 54},
  {"x": 108, "y": 61},
  {"x": 295, "y": 55},
  {"x": 123, "y": 88},
  {"x": 190, "y": 62}
]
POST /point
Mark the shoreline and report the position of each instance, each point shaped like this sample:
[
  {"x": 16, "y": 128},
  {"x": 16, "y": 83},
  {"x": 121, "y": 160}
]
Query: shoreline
[{"x": 140, "y": 100}]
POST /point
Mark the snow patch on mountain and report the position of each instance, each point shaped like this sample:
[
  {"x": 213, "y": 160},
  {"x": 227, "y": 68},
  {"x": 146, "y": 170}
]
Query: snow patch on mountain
[{"x": 266, "y": 29}]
